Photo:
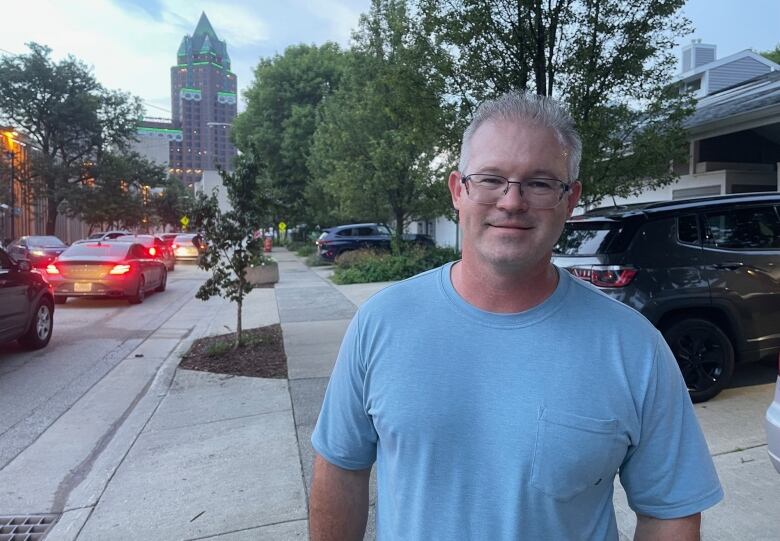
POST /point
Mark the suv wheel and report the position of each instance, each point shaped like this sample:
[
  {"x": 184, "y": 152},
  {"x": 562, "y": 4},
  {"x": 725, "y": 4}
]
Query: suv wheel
[{"x": 704, "y": 354}]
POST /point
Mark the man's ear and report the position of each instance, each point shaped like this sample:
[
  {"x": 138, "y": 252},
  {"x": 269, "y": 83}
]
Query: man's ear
[
  {"x": 456, "y": 188},
  {"x": 574, "y": 196}
]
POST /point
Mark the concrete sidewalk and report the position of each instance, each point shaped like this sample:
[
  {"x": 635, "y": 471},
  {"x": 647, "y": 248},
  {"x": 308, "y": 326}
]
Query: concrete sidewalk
[
  {"x": 163, "y": 453},
  {"x": 153, "y": 452}
]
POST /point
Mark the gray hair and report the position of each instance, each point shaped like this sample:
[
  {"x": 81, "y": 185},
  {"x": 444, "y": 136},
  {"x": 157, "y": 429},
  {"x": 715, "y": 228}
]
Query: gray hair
[{"x": 526, "y": 106}]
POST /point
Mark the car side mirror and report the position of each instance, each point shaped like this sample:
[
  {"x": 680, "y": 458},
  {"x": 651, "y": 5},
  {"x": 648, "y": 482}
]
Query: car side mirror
[{"x": 24, "y": 265}]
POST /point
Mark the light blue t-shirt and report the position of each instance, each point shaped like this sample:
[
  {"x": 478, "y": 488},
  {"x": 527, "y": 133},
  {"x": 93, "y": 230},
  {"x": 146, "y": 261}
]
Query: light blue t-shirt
[{"x": 488, "y": 426}]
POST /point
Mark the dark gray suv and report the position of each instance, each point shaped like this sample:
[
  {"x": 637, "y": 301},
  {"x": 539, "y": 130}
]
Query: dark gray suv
[{"x": 706, "y": 272}]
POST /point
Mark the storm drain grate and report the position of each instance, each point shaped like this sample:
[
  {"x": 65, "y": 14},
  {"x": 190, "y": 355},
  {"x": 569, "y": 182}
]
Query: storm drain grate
[{"x": 27, "y": 528}]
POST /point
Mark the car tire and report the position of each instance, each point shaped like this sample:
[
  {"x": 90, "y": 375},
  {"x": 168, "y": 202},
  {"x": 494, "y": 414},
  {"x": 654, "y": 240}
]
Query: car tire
[
  {"x": 704, "y": 354},
  {"x": 41, "y": 326},
  {"x": 163, "y": 282},
  {"x": 60, "y": 299},
  {"x": 140, "y": 294}
]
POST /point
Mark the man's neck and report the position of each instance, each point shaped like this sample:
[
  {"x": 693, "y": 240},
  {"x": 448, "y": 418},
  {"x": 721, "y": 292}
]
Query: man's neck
[{"x": 504, "y": 292}]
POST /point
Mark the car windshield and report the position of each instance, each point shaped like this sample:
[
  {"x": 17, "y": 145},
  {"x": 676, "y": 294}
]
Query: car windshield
[
  {"x": 383, "y": 229},
  {"x": 184, "y": 238},
  {"x": 587, "y": 238},
  {"x": 96, "y": 250},
  {"x": 44, "y": 241}
]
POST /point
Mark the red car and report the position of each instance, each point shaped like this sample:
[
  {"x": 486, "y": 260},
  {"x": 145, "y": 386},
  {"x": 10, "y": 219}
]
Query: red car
[
  {"x": 106, "y": 269},
  {"x": 157, "y": 248}
]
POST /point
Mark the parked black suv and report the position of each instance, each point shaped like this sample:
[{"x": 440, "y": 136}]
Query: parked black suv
[
  {"x": 705, "y": 271},
  {"x": 336, "y": 240},
  {"x": 26, "y": 304}
]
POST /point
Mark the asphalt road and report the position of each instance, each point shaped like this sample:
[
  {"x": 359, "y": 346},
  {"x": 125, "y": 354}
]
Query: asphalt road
[{"x": 91, "y": 336}]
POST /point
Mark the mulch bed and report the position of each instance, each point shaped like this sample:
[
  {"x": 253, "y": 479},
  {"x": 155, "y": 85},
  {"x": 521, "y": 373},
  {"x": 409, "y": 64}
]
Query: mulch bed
[{"x": 261, "y": 354}]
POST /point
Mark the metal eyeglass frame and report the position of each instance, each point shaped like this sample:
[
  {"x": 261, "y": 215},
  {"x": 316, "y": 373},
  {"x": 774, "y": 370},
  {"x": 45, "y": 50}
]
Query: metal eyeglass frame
[{"x": 566, "y": 188}]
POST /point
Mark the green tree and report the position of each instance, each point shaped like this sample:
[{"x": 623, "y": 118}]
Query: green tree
[
  {"x": 773, "y": 55},
  {"x": 280, "y": 120},
  {"x": 67, "y": 115},
  {"x": 232, "y": 248},
  {"x": 173, "y": 203},
  {"x": 610, "y": 61},
  {"x": 380, "y": 133},
  {"x": 116, "y": 193}
]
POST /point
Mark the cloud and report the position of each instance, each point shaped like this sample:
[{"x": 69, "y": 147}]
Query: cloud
[
  {"x": 342, "y": 19},
  {"x": 237, "y": 24}
]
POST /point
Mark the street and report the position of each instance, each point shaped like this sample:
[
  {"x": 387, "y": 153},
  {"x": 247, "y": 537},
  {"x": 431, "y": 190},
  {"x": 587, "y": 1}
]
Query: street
[{"x": 91, "y": 336}]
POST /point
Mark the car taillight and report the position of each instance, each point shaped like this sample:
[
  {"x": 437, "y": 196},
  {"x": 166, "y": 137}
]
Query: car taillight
[
  {"x": 152, "y": 251},
  {"x": 611, "y": 276},
  {"x": 120, "y": 269},
  {"x": 51, "y": 269}
]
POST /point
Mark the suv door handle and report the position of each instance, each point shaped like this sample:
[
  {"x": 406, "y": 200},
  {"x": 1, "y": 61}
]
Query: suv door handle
[{"x": 729, "y": 266}]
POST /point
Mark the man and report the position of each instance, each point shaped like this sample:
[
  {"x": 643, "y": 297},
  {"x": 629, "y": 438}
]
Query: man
[{"x": 498, "y": 395}]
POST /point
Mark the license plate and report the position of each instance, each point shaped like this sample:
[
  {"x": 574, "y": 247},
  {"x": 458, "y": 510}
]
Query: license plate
[{"x": 81, "y": 287}]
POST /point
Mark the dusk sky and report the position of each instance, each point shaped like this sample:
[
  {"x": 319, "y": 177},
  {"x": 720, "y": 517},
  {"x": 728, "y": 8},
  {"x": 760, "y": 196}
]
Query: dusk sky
[{"x": 132, "y": 43}]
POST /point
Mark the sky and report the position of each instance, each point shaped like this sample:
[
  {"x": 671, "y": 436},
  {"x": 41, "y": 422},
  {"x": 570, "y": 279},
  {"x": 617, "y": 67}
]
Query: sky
[{"x": 131, "y": 44}]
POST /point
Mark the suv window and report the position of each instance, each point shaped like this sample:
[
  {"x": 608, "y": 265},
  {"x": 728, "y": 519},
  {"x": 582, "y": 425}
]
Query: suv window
[
  {"x": 364, "y": 231},
  {"x": 345, "y": 232},
  {"x": 688, "y": 229},
  {"x": 743, "y": 229},
  {"x": 587, "y": 238},
  {"x": 383, "y": 230}
]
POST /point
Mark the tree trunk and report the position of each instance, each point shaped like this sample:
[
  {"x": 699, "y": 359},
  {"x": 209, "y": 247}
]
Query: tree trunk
[
  {"x": 51, "y": 215},
  {"x": 239, "y": 303}
]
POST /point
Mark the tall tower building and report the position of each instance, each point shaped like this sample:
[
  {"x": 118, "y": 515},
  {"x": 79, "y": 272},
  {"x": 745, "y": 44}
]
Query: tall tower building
[{"x": 203, "y": 103}]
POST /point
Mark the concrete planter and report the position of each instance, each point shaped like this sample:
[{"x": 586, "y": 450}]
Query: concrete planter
[{"x": 263, "y": 274}]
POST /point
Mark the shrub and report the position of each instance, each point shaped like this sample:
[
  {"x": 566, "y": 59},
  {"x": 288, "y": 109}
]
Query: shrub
[
  {"x": 305, "y": 250},
  {"x": 363, "y": 266}
]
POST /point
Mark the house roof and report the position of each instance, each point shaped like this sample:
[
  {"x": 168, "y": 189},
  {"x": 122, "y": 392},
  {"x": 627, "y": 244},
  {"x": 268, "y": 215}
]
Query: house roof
[
  {"x": 747, "y": 53},
  {"x": 751, "y": 97}
]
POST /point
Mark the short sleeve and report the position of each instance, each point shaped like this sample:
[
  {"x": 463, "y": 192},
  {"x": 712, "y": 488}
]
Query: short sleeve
[
  {"x": 669, "y": 473},
  {"x": 345, "y": 434}
]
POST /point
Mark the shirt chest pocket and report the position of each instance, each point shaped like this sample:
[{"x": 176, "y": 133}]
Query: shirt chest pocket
[{"x": 573, "y": 453}]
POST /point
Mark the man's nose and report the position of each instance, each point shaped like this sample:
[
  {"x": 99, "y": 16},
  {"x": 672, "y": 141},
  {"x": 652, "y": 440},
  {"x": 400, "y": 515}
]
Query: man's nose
[{"x": 512, "y": 199}]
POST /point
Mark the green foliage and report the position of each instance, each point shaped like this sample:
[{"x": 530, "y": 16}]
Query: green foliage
[
  {"x": 773, "y": 55},
  {"x": 68, "y": 117},
  {"x": 175, "y": 201},
  {"x": 114, "y": 195},
  {"x": 280, "y": 120},
  {"x": 305, "y": 250},
  {"x": 363, "y": 266},
  {"x": 381, "y": 130},
  {"x": 232, "y": 247},
  {"x": 609, "y": 61}
]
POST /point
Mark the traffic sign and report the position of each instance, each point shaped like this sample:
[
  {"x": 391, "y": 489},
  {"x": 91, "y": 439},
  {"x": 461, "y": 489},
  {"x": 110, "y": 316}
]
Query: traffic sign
[
  {"x": 184, "y": 221},
  {"x": 282, "y": 226}
]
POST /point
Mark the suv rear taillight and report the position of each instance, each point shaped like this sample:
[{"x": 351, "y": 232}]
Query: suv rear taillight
[
  {"x": 605, "y": 276},
  {"x": 52, "y": 269}
]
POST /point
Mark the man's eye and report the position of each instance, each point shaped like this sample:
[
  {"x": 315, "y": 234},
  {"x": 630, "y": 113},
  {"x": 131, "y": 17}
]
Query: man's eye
[
  {"x": 490, "y": 181},
  {"x": 539, "y": 184}
]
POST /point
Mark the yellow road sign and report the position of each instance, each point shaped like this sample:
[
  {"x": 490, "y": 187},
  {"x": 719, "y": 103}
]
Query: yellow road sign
[
  {"x": 282, "y": 226},
  {"x": 184, "y": 221}
]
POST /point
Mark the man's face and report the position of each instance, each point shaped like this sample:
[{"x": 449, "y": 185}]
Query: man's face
[{"x": 508, "y": 236}]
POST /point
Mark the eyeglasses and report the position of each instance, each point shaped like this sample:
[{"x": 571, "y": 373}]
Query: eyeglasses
[{"x": 538, "y": 193}]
